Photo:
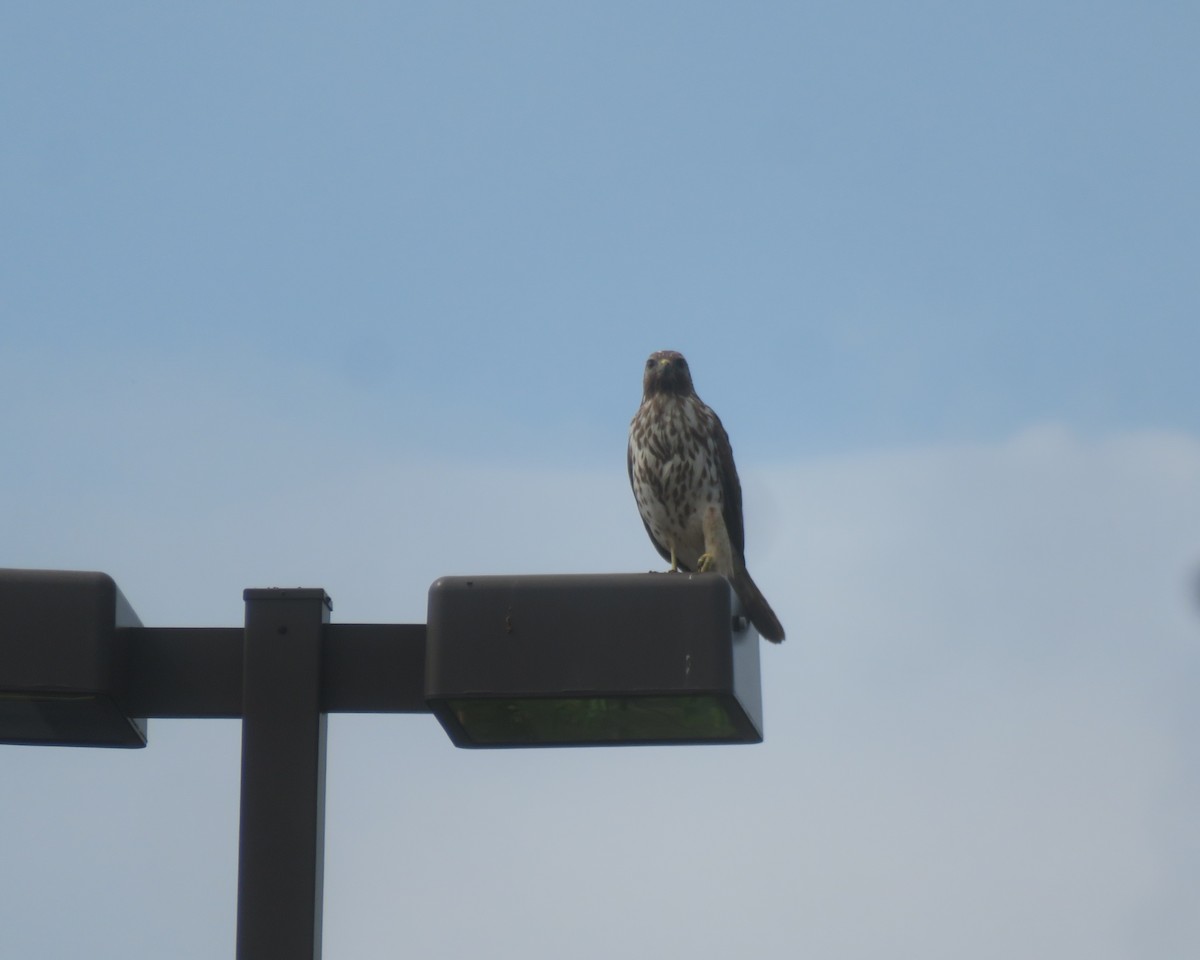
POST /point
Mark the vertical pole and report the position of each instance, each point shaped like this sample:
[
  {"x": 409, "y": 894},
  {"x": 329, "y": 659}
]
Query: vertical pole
[{"x": 281, "y": 846}]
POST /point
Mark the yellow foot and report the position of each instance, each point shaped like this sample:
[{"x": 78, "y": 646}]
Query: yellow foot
[{"x": 706, "y": 563}]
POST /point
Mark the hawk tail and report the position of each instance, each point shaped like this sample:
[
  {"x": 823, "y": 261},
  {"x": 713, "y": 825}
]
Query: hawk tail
[{"x": 757, "y": 608}]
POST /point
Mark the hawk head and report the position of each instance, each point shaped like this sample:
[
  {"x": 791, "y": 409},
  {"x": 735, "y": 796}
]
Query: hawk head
[{"x": 667, "y": 372}]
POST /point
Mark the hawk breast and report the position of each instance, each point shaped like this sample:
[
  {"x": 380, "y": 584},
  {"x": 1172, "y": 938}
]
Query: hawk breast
[{"x": 674, "y": 470}]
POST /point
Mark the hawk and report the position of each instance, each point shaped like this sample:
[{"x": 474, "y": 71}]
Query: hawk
[{"x": 686, "y": 485}]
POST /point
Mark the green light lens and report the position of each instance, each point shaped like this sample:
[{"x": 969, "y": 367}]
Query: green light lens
[{"x": 595, "y": 719}]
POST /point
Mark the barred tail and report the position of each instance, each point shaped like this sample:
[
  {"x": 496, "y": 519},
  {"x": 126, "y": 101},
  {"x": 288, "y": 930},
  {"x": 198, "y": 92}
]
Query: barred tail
[{"x": 757, "y": 608}]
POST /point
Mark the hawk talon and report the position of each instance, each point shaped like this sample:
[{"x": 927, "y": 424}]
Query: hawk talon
[{"x": 706, "y": 563}]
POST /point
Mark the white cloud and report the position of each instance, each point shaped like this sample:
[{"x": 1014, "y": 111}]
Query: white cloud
[{"x": 980, "y": 733}]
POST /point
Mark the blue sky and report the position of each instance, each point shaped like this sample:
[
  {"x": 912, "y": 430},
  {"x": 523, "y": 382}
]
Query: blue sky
[
  {"x": 356, "y": 297},
  {"x": 919, "y": 224}
]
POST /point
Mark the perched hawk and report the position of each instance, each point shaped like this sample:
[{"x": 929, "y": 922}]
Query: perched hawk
[{"x": 686, "y": 486}]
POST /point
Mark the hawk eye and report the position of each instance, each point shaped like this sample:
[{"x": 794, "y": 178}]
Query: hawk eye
[
  {"x": 649, "y": 363},
  {"x": 680, "y": 362}
]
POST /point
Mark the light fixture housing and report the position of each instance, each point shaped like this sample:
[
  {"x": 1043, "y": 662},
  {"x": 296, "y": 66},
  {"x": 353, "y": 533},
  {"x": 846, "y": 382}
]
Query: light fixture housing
[
  {"x": 597, "y": 659},
  {"x": 63, "y": 660}
]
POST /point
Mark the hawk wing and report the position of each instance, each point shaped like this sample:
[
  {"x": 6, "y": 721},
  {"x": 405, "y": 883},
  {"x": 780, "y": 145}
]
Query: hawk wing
[{"x": 731, "y": 489}]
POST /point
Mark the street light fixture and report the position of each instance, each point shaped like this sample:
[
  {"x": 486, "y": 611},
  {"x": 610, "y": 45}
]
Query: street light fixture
[
  {"x": 64, "y": 660},
  {"x": 505, "y": 661},
  {"x": 592, "y": 660}
]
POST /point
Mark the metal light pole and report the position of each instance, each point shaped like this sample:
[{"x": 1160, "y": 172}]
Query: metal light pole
[
  {"x": 282, "y": 838},
  {"x": 504, "y": 661}
]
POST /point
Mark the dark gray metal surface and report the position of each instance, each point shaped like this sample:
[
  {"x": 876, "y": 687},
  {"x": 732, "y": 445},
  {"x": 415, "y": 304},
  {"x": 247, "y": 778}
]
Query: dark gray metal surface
[
  {"x": 63, "y": 660},
  {"x": 282, "y": 840},
  {"x": 197, "y": 672},
  {"x": 611, "y": 644},
  {"x": 374, "y": 668},
  {"x": 185, "y": 672}
]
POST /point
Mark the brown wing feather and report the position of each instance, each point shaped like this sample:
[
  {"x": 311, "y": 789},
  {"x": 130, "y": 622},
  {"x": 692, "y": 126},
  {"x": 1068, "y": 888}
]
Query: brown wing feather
[{"x": 731, "y": 488}]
